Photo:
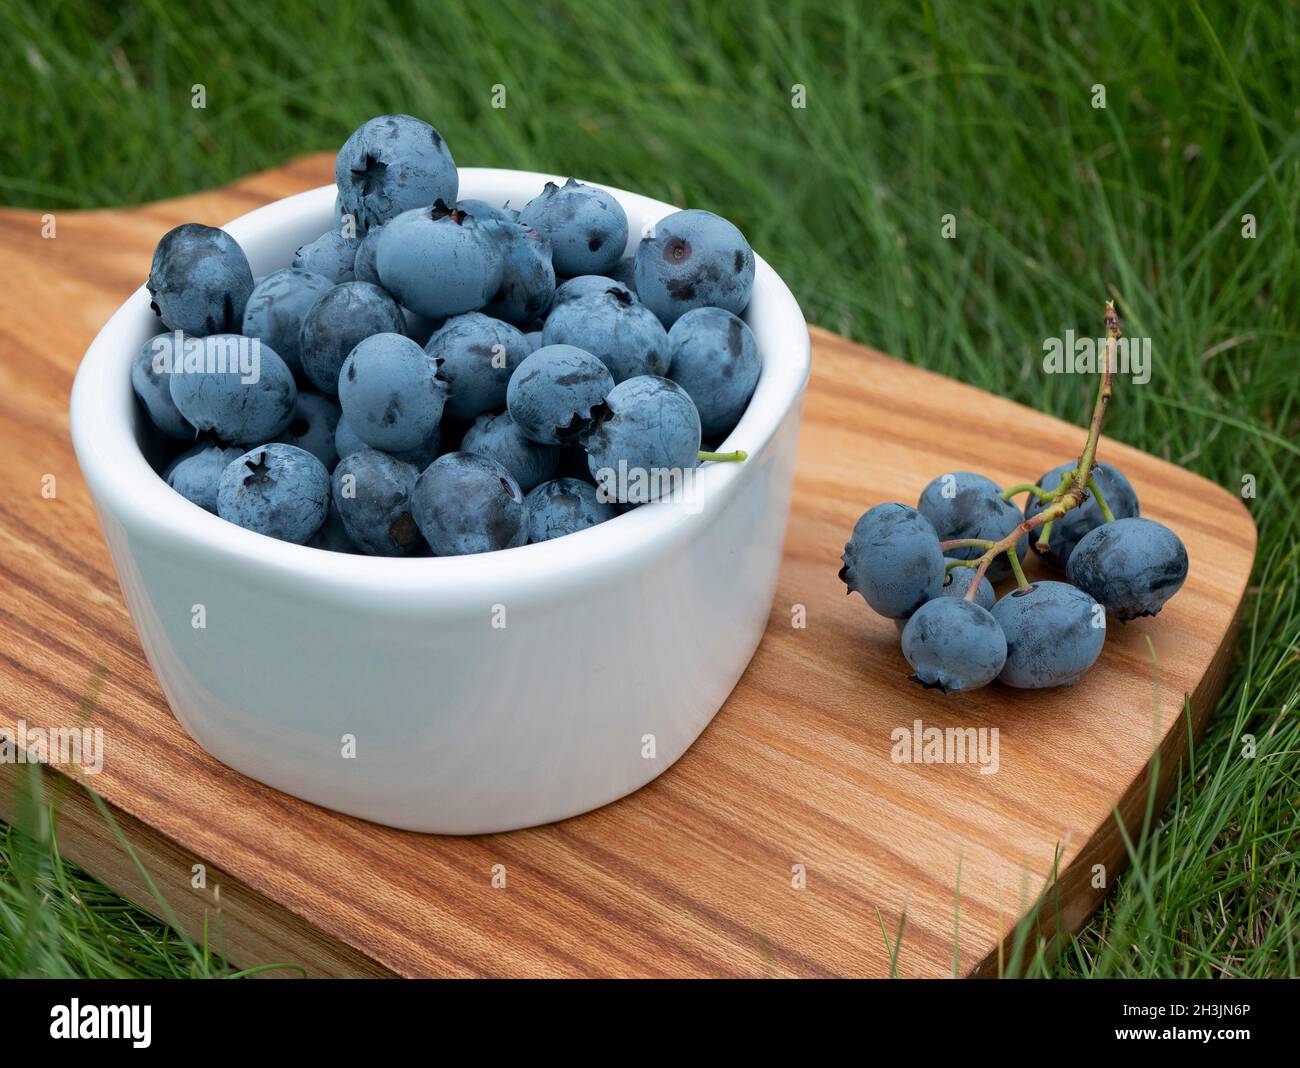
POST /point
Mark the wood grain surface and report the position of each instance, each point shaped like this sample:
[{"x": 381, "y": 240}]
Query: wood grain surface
[{"x": 698, "y": 872}]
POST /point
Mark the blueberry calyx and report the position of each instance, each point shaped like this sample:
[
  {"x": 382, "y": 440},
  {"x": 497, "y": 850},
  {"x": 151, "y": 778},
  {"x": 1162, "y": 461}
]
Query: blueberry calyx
[
  {"x": 440, "y": 210},
  {"x": 936, "y": 685},
  {"x": 369, "y": 176},
  {"x": 260, "y": 471},
  {"x": 579, "y": 429}
]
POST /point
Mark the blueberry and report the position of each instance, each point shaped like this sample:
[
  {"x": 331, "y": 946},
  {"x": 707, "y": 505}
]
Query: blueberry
[
  {"x": 196, "y": 473},
  {"x": 391, "y": 393},
  {"x": 1071, "y": 527},
  {"x": 313, "y": 426},
  {"x": 235, "y": 388},
  {"x": 364, "y": 265},
  {"x": 486, "y": 212},
  {"x": 563, "y": 506},
  {"x": 278, "y": 490},
  {"x": 200, "y": 281},
  {"x": 534, "y": 339},
  {"x": 278, "y": 305},
  {"x": 439, "y": 262},
  {"x": 497, "y": 437},
  {"x": 392, "y": 164},
  {"x": 965, "y": 505},
  {"x": 424, "y": 454},
  {"x": 151, "y": 380},
  {"x": 346, "y": 443},
  {"x": 339, "y": 320},
  {"x": 556, "y": 392},
  {"x": 616, "y": 328},
  {"x": 624, "y": 272},
  {"x": 1132, "y": 566},
  {"x": 586, "y": 285},
  {"x": 333, "y": 535},
  {"x": 419, "y": 328},
  {"x": 644, "y": 442},
  {"x": 478, "y": 354},
  {"x": 694, "y": 259},
  {"x": 469, "y": 504},
  {"x": 715, "y": 359},
  {"x": 1054, "y": 634},
  {"x": 954, "y": 645},
  {"x": 955, "y": 584},
  {"x": 527, "y": 275},
  {"x": 331, "y": 255},
  {"x": 893, "y": 559},
  {"x": 586, "y": 226},
  {"x": 372, "y": 492}
]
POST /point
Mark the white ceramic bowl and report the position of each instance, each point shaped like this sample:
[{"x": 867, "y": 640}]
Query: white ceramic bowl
[{"x": 619, "y": 643}]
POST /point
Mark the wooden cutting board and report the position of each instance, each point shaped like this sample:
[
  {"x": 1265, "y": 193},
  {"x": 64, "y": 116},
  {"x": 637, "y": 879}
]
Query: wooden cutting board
[{"x": 783, "y": 840}]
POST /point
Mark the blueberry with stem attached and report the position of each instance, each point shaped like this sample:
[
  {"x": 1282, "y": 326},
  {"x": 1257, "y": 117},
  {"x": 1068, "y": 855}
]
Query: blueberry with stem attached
[
  {"x": 953, "y": 644},
  {"x": 893, "y": 559},
  {"x": 1054, "y": 634},
  {"x": 1069, "y": 529},
  {"x": 961, "y": 505},
  {"x": 641, "y": 445},
  {"x": 1132, "y": 566}
]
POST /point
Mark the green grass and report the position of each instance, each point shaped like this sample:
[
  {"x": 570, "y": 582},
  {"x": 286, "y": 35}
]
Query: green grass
[{"x": 914, "y": 111}]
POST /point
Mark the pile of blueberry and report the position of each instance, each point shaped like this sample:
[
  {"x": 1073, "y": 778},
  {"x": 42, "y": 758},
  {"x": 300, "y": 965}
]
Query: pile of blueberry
[
  {"x": 442, "y": 375},
  {"x": 931, "y": 569}
]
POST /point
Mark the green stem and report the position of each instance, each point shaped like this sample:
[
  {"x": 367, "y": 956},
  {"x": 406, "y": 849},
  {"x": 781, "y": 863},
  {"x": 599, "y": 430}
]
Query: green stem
[
  {"x": 1077, "y": 487},
  {"x": 965, "y": 543},
  {"x": 1016, "y": 569},
  {"x": 1028, "y": 487},
  {"x": 1045, "y": 536},
  {"x": 1095, "y": 490},
  {"x": 739, "y": 456}
]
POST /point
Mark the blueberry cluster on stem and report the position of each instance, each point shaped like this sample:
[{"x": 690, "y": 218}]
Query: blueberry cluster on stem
[{"x": 1069, "y": 493}]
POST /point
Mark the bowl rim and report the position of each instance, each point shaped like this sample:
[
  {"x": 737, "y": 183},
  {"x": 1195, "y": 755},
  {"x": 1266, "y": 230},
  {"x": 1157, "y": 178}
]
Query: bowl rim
[{"x": 103, "y": 414}]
